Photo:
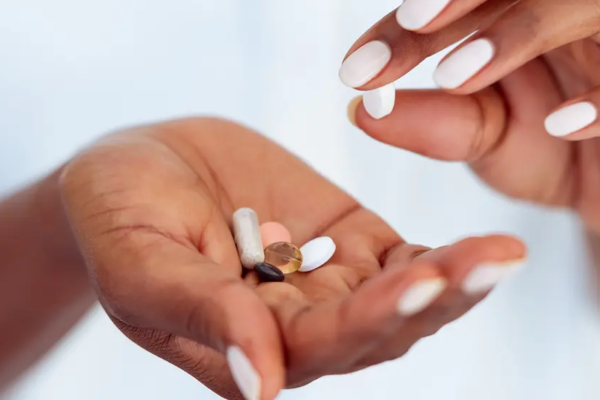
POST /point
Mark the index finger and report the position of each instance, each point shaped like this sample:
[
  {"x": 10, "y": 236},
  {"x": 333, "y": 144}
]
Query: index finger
[
  {"x": 386, "y": 52},
  {"x": 159, "y": 284},
  {"x": 430, "y": 15}
]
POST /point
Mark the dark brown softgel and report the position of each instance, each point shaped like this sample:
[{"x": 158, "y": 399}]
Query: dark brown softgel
[{"x": 268, "y": 273}]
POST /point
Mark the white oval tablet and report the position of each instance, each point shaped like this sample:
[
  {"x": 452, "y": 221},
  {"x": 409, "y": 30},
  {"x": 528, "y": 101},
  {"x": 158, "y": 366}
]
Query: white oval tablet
[{"x": 316, "y": 253}]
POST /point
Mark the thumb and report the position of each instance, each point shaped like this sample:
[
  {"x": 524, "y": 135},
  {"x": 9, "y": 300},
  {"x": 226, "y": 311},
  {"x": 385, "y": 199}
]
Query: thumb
[
  {"x": 176, "y": 289},
  {"x": 499, "y": 131},
  {"x": 436, "y": 124},
  {"x": 156, "y": 281}
]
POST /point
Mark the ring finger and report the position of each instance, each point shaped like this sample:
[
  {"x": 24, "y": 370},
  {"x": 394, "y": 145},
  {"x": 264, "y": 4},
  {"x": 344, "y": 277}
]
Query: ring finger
[{"x": 471, "y": 267}]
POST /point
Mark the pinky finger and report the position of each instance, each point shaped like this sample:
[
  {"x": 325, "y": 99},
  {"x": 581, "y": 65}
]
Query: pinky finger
[{"x": 577, "y": 119}]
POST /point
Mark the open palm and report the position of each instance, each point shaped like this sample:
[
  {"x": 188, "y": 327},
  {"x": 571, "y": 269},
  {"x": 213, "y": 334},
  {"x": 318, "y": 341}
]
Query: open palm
[{"x": 152, "y": 207}]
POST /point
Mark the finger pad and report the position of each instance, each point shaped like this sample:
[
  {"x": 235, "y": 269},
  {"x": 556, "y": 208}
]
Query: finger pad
[
  {"x": 431, "y": 123},
  {"x": 476, "y": 250}
]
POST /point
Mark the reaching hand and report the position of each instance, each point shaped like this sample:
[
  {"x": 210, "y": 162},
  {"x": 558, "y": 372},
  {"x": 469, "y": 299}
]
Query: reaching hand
[
  {"x": 519, "y": 100},
  {"x": 151, "y": 208}
]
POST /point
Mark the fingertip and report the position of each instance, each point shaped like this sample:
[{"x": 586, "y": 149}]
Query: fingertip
[
  {"x": 264, "y": 354},
  {"x": 491, "y": 248},
  {"x": 420, "y": 295},
  {"x": 244, "y": 373},
  {"x": 257, "y": 378},
  {"x": 377, "y": 104},
  {"x": 463, "y": 64},
  {"x": 477, "y": 264},
  {"x": 273, "y": 382},
  {"x": 514, "y": 247},
  {"x": 415, "y": 15},
  {"x": 352, "y": 109},
  {"x": 484, "y": 277},
  {"x": 422, "y": 121},
  {"x": 365, "y": 63},
  {"x": 414, "y": 286},
  {"x": 571, "y": 119},
  {"x": 234, "y": 320}
]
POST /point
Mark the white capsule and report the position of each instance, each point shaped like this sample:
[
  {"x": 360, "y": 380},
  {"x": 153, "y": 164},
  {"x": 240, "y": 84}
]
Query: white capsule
[
  {"x": 316, "y": 253},
  {"x": 246, "y": 231}
]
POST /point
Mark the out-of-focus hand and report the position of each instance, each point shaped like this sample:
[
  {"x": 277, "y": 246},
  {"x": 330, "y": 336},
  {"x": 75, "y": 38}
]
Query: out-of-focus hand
[
  {"x": 519, "y": 99},
  {"x": 151, "y": 208}
]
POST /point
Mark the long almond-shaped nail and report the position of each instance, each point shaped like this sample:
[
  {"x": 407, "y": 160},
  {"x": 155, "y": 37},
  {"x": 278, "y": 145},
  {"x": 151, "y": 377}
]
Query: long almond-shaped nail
[
  {"x": 416, "y": 14},
  {"x": 380, "y": 102},
  {"x": 244, "y": 374},
  {"x": 420, "y": 295},
  {"x": 485, "y": 277},
  {"x": 365, "y": 64},
  {"x": 571, "y": 119},
  {"x": 463, "y": 64}
]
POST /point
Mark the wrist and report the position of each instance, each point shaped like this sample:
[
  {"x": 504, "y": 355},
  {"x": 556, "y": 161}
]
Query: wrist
[
  {"x": 38, "y": 210},
  {"x": 56, "y": 235},
  {"x": 41, "y": 272}
]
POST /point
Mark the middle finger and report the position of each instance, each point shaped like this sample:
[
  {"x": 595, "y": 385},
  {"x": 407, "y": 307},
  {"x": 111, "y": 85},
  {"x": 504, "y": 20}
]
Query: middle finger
[
  {"x": 526, "y": 31},
  {"x": 386, "y": 51}
]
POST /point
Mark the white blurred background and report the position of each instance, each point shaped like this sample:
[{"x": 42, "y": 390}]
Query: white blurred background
[{"x": 71, "y": 70}]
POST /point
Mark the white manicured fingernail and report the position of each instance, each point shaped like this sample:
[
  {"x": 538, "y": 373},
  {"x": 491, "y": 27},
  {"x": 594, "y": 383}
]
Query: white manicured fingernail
[
  {"x": 462, "y": 65},
  {"x": 244, "y": 374},
  {"x": 380, "y": 102},
  {"x": 365, "y": 64},
  {"x": 416, "y": 14},
  {"x": 484, "y": 277},
  {"x": 420, "y": 295},
  {"x": 571, "y": 119}
]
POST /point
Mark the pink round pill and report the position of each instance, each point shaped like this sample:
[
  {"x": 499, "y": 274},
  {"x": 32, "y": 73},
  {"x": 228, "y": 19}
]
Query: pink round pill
[{"x": 274, "y": 232}]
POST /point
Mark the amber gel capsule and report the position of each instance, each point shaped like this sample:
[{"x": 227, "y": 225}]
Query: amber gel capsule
[
  {"x": 284, "y": 256},
  {"x": 246, "y": 232}
]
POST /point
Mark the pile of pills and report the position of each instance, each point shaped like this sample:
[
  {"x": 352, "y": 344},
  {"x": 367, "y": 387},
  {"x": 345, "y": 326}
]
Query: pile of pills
[{"x": 267, "y": 248}]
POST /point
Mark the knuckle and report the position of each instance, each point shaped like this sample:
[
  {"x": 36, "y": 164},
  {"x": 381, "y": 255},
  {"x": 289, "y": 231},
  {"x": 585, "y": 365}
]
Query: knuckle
[
  {"x": 490, "y": 127},
  {"x": 402, "y": 254},
  {"x": 476, "y": 147}
]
